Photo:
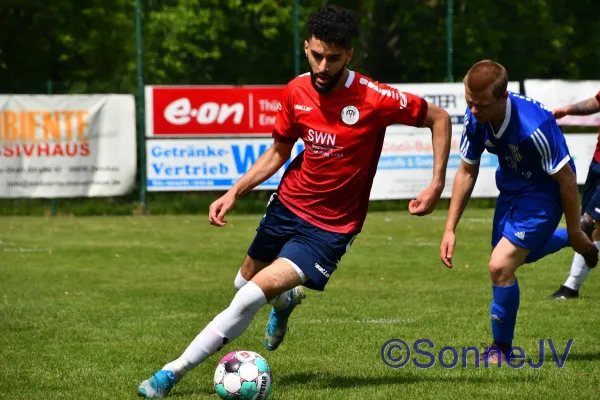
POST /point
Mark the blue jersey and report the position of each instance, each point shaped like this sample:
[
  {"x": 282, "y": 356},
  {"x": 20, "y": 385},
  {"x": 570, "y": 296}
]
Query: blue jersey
[{"x": 530, "y": 147}]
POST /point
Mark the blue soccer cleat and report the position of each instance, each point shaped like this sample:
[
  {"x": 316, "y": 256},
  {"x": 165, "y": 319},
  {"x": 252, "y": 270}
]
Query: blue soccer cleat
[
  {"x": 277, "y": 326},
  {"x": 158, "y": 386}
]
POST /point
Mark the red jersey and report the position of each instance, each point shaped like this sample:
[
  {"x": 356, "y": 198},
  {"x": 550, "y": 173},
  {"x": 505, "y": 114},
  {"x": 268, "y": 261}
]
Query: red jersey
[
  {"x": 329, "y": 183},
  {"x": 597, "y": 152}
]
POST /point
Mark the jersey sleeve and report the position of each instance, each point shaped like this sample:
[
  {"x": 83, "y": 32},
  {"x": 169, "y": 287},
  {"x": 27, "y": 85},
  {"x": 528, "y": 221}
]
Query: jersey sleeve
[
  {"x": 285, "y": 129},
  {"x": 471, "y": 144},
  {"x": 551, "y": 147},
  {"x": 396, "y": 107},
  {"x": 598, "y": 96}
]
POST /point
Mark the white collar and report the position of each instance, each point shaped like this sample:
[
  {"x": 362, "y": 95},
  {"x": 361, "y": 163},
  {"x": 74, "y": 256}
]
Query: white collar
[
  {"x": 505, "y": 122},
  {"x": 350, "y": 79}
]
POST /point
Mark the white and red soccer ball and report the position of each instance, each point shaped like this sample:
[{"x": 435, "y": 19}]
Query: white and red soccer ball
[{"x": 243, "y": 375}]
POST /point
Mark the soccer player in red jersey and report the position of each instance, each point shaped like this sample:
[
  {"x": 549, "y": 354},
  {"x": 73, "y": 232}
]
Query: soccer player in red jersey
[
  {"x": 590, "y": 202},
  {"x": 322, "y": 201}
]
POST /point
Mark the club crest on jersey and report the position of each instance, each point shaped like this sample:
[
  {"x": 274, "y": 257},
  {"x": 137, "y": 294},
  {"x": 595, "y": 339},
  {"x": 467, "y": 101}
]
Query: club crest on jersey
[{"x": 350, "y": 115}]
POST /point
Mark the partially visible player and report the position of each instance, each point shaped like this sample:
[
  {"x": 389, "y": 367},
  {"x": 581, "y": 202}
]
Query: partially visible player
[
  {"x": 536, "y": 180},
  {"x": 590, "y": 202},
  {"x": 322, "y": 201}
]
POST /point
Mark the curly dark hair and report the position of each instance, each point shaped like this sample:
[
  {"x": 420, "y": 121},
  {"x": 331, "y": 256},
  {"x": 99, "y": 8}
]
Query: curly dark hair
[{"x": 333, "y": 25}]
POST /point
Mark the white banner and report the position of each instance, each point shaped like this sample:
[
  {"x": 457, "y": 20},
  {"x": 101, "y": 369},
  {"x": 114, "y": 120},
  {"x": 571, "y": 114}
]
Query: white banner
[
  {"x": 449, "y": 96},
  {"x": 405, "y": 167},
  {"x": 205, "y": 164},
  {"x": 581, "y": 147},
  {"x": 559, "y": 93},
  {"x": 67, "y": 145}
]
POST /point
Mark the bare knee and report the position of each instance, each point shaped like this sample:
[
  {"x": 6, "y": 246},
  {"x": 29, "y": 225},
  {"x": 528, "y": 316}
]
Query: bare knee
[
  {"x": 501, "y": 274},
  {"x": 277, "y": 278}
]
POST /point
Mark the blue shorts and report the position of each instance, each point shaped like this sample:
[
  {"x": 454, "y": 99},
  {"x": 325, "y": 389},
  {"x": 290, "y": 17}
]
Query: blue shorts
[
  {"x": 590, "y": 199},
  {"x": 526, "y": 220},
  {"x": 282, "y": 234}
]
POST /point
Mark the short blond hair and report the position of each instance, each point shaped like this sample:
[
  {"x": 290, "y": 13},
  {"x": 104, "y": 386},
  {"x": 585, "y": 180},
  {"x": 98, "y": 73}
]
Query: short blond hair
[{"x": 487, "y": 74}]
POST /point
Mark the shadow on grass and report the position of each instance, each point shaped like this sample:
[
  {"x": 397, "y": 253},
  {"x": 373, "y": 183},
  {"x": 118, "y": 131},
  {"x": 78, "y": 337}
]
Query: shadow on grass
[
  {"x": 326, "y": 380},
  {"x": 552, "y": 360},
  {"x": 577, "y": 357}
]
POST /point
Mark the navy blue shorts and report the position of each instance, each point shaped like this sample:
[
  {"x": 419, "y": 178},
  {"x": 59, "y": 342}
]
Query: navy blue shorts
[
  {"x": 282, "y": 234},
  {"x": 526, "y": 220},
  {"x": 590, "y": 199}
]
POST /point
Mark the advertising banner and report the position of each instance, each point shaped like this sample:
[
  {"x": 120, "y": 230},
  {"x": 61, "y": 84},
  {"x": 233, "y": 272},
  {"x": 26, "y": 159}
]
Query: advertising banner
[
  {"x": 216, "y": 164},
  {"x": 205, "y": 111},
  {"x": 404, "y": 169},
  {"x": 559, "y": 93},
  {"x": 67, "y": 146},
  {"x": 449, "y": 96},
  {"x": 218, "y": 111}
]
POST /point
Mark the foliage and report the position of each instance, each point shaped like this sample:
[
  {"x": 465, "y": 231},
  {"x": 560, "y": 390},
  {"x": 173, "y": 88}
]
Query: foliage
[{"x": 90, "y": 46}]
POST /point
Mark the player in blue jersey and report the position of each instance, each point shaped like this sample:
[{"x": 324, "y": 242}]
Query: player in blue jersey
[{"x": 536, "y": 180}]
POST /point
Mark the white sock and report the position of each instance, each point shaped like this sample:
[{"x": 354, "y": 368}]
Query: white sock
[
  {"x": 579, "y": 271},
  {"x": 203, "y": 346},
  {"x": 239, "y": 281},
  {"x": 224, "y": 328},
  {"x": 280, "y": 302}
]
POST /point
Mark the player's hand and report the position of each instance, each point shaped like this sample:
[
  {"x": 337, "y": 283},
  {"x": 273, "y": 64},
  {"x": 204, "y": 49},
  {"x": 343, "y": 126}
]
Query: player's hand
[
  {"x": 425, "y": 202},
  {"x": 218, "y": 209},
  {"x": 560, "y": 112},
  {"x": 447, "y": 248},
  {"x": 584, "y": 246}
]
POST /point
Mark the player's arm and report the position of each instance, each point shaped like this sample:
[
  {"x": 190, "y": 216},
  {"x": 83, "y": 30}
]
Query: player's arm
[
  {"x": 285, "y": 133},
  {"x": 585, "y": 107},
  {"x": 438, "y": 120},
  {"x": 471, "y": 147},
  {"x": 464, "y": 182},
  {"x": 554, "y": 156},
  {"x": 265, "y": 167},
  {"x": 569, "y": 197},
  {"x": 396, "y": 107}
]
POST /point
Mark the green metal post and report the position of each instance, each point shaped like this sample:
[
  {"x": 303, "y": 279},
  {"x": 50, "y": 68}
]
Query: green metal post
[
  {"x": 140, "y": 106},
  {"x": 296, "y": 37},
  {"x": 52, "y": 201},
  {"x": 449, "y": 40}
]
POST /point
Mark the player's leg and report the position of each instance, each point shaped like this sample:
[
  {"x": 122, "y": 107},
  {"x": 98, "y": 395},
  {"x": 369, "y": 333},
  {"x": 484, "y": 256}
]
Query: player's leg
[
  {"x": 579, "y": 269},
  {"x": 277, "y": 278},
  {"x": 505, "y": 260},
  {"x": 250, "y": 267},
  {"x": 559, "y": 240},
  {"x": 527, "y": 226},
  {"x": 275, "y": 228},
  {"x": 590, "y": 202},
  {"x": 315, "y": 252}
]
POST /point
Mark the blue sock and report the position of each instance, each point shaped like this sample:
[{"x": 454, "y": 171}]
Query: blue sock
[
  {"x": 559, "y": 240},
  {"x": 505, "y": 305}
]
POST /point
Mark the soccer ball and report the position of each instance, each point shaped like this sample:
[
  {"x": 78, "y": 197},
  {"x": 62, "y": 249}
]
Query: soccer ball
[{"x": 243, "y": 375}]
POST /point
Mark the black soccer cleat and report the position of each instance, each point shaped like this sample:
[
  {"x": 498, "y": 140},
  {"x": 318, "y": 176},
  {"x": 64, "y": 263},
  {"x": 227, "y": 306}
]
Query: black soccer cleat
[{"x": 564, "y": 293}]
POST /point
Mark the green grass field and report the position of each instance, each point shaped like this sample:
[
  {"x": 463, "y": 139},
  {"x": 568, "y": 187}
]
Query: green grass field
[{"x": 89, "y": 307}]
